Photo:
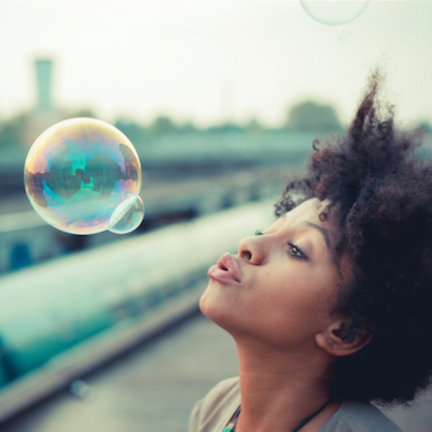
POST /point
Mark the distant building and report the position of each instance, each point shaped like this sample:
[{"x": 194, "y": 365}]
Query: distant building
[
  {"x": 45, "y": 113},
  {"x": 43, "y": 75}
]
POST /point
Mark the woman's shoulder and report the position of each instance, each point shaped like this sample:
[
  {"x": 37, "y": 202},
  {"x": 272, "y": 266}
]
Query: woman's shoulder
[
  {"x": 359, "y": 417},
  {"x": 213, "y": 412}
]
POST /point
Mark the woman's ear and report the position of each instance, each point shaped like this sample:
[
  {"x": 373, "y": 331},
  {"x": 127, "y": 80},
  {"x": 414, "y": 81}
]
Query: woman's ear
[{"x": 337, "y": 341}]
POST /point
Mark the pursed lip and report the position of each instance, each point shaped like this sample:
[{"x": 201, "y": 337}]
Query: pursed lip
[{"x": 226, "y": 269}]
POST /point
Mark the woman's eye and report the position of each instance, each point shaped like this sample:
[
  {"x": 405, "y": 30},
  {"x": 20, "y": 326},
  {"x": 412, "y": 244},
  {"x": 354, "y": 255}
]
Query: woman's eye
[{"x": 295, "y": 251}]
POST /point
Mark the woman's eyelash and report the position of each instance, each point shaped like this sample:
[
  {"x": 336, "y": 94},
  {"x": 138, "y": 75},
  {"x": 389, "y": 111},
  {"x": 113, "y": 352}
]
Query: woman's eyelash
[{"x": 295, "y": 251}]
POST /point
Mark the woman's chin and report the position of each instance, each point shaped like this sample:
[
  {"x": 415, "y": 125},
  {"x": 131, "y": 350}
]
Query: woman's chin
[
  {"x": 212, "y": 306},
  {"x": 208, "y": 303}
]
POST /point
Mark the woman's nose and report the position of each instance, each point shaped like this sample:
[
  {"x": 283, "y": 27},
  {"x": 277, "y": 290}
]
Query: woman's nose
[{"x": 251, "y": 249}]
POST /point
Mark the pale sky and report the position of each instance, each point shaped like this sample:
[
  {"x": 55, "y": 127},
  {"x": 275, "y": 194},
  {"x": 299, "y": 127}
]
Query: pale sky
[{"x": 207, "y": 61}]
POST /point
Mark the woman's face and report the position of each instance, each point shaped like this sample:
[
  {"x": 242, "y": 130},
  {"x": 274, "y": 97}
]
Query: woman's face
[{"x": 280, "y": 287}]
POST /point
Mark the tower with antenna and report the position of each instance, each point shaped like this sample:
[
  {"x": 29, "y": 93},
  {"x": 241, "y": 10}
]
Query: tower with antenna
[{"x": 44, "y": 85}]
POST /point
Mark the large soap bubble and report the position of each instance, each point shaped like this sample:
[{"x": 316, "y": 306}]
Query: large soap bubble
[
  {"x": 334, "y": 12},
  {"x": 83, "y": 176}
]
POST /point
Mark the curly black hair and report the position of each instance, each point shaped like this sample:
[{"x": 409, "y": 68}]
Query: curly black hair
[{"x": 381, "y": 186}]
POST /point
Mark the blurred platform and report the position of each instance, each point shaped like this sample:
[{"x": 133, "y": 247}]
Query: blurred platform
[
  {"x": 154, "y": 388},
  {"x": 151, "y": 389}
]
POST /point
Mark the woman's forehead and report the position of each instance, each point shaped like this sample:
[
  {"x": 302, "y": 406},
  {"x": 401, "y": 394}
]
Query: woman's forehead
[
  {"x": 309, "y": 210},
  {"x": 307, "y": 214}
]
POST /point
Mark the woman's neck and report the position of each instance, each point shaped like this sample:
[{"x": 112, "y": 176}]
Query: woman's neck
[{"x": 278, "y": 391}]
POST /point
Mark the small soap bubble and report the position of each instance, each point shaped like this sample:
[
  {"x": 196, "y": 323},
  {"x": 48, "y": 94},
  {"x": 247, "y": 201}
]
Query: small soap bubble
[
  {"x": 334, "y": 12},
  {"x": 79, "y": 173},
  {"x": 127, "y": 216},
  {"x": 344, "y": 34}
]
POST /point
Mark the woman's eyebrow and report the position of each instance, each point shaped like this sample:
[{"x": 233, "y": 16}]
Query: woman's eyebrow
[{"x": 322, "y": 230}]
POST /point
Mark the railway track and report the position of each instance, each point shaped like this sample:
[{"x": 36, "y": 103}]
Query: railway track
[{"x": 61, "y": 319}]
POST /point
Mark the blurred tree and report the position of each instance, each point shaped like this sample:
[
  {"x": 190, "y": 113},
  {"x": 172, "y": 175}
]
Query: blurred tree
[
  {"x": 425, "y": 126},
  {"x": 225, "y": 127},
  {"x": 187, "y": 127},
  {"x": 13, "y": 131},
  {"x": 254, "y": 126},
  {"x": 136, "y": 133},
  {"x": 162, "y": 125},
  {"x": 309, "y": 116},
  {"x": 85, "y": 112}
]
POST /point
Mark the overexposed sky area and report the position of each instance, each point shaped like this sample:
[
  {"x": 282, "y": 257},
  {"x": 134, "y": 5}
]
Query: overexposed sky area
[{"x": 209, "y": 61}]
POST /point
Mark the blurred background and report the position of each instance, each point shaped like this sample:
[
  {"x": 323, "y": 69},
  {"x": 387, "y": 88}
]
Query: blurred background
[{"x": 222, "y": 101}]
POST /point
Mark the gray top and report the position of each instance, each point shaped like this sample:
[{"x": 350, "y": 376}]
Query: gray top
[{"x": 212, "y": 413}]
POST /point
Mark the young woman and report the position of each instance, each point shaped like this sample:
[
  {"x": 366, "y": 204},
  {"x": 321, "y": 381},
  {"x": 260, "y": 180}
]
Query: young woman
[{"x": 330, "y": 307}]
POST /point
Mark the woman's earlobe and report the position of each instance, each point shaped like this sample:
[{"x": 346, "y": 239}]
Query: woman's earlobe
[{"x": 336, "y": 340}]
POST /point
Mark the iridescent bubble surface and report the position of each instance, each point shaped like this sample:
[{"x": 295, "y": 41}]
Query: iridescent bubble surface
[
  {"x": 127, "y": 216},
  {"x": 78, "y": 172},
  {"x": 334, "y": 12}
]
